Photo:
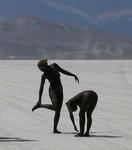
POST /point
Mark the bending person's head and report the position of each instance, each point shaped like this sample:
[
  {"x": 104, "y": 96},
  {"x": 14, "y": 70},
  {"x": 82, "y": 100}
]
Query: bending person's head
[
  {"x": 42, "y": 64},
  {"x": 73, "y": 107}
]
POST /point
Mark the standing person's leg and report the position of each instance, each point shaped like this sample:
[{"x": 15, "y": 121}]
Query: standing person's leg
[
  {"x": 56, "y": 120},
  {"x": 57, "y": 111},
  {"x": 53, "y": 97},
  {"x": 56, "y": 96},
  {"x": 52, "y": 106}
]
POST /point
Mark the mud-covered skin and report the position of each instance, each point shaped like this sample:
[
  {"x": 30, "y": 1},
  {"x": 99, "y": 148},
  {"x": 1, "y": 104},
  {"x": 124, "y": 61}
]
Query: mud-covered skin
[
  {"x": 86, "y": 101},
  {"x": 52, "y": 74}
]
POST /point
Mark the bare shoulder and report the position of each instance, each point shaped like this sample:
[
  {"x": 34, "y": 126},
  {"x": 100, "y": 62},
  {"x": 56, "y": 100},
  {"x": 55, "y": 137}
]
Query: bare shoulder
[
  {"x": 89, "y": 92},
  {"x": 55, "y": 66}
]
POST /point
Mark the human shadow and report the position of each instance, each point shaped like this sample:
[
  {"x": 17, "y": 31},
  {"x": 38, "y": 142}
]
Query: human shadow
[
  {"x": 73, "y": 132},
  {"x": 14, "y": 139},
  {"x": 69, "y": 132},
  {"x": 106, "y": 136},
  {"x": 96, "y": 135}
]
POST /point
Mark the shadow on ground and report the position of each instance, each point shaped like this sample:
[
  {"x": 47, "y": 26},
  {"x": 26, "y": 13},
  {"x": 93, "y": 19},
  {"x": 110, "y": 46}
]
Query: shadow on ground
[
  {"x": 106, "y": 136},
  {"x": 14, "y": 139},
  {"x": 96, "y": 135}
]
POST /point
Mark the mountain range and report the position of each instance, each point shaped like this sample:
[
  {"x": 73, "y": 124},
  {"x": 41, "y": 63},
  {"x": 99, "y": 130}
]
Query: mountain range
[
  {"x": 109, "y": 16},
  {"x": 32, "y": 37}
]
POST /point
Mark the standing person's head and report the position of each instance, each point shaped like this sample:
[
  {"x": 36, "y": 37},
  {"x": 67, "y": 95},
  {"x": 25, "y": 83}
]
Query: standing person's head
[{"x": 42, "y": 64}]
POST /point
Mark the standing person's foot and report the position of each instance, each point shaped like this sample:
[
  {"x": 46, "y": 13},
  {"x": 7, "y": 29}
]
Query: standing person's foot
[
  {"x": 56, "y": 132},
  {"x": 35, "y": 107}
]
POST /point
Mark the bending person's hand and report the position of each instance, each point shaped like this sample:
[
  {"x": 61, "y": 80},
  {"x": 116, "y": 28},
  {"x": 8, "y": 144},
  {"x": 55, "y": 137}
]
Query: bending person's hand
[{"x": 75, "y": 128}]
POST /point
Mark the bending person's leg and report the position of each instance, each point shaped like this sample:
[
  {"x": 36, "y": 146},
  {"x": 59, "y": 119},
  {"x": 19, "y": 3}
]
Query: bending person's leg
[
  {"x": 89, "y": 117},
  {"x": 82, "y": 123},
  {"x": 89, "y": 123}
]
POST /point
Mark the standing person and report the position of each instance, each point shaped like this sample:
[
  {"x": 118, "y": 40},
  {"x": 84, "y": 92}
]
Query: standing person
[
  {"x": 86, "y": 101},
  {"x": 52, "y": 74}
]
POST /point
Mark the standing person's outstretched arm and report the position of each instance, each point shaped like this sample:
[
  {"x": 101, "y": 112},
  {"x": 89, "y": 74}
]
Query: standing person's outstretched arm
[{"x": 67, "y": 72}]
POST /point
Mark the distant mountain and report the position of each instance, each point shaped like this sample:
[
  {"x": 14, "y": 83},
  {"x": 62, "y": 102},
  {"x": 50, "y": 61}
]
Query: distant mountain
[
  {"x": 33, "y": 37},
  {"x": 111, "y": 16}
]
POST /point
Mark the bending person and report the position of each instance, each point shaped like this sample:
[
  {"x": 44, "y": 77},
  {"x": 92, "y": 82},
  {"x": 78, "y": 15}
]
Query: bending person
[
  {"x": 86, "y": 101},
  {"x": 52, "y": 74}
]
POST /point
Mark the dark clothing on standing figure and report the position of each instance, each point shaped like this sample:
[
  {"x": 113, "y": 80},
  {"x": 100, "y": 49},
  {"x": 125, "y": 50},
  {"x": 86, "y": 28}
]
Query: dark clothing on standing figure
[{"x": 51, "y": 73}]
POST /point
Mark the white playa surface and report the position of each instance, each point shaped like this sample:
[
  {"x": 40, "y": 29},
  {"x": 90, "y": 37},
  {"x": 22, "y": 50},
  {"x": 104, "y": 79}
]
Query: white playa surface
[{"x": 22, "y": 129}]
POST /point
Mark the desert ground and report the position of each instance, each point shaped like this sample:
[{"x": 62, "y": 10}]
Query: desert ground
[{"x": 22, "y": 129}]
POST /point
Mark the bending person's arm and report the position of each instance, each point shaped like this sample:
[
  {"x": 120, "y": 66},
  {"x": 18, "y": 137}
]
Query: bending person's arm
[
  {"x": 71, "y": 116},
  {"x": 67, "y": 73}
]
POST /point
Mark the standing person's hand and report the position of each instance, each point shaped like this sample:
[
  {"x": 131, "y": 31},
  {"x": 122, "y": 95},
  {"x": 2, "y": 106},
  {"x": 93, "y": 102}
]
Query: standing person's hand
[{"x": 76, "y": 79}]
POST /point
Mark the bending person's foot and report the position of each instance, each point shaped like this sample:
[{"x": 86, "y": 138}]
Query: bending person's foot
[
  {"x": 79, "y": 135},
  {"x": 35, "y": 107},
  {"x": 86, "y": 134},
  {"x": 56, "y": 132}
]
